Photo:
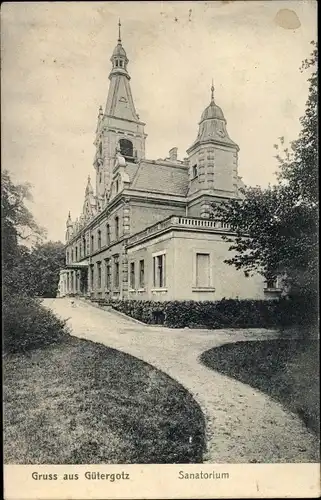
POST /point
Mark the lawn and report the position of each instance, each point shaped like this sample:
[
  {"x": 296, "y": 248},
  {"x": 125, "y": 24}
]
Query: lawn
[
  {"x": 81, "y": 402},
  {"x": 287, "y": 370}
]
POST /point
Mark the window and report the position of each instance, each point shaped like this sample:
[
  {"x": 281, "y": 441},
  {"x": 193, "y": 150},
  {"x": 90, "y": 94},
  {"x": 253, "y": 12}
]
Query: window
[
  {"x": 194, "y": 171},
  {"x": 272, "y": 283},
  {"x": 132, "y": 275},
  {"x": 99, "y": 238},
  {"x": 116, "y": 273},
  {"x": 159, "y": 271},
  {"x": 107, "y": 234},
  {"x": 107, "y": 274},
  {"x": 121, "y": 64},
  {"x": 72, "y": 256},
  {"x": 92, "y": 243},
  {"x": 117, "y": 186},
  {"x": 100, "y": 149},
  {"x": 99, "y": 274},
  {"x": 100, "y": 177},
  {"x": 141, "y": 274},
  {"x": 117, "y": 63},
  {"x": 126, "y": 147},
  {"x": 84, "y": 245},
  {"x": 76, "y": 253},
  {"x": 92, "y": 276},
  {"x": 202, "y": 270},
  {"x": 116, "y": 228}
]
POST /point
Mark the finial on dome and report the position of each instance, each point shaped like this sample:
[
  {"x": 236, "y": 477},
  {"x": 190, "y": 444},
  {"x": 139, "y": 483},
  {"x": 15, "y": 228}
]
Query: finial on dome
[
  {"x": 119, "y": 26},
  {"x": 212, "y": 91}
]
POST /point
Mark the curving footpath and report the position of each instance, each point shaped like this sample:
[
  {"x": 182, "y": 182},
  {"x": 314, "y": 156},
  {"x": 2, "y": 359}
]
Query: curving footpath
[{"x": 243, "y": 425}]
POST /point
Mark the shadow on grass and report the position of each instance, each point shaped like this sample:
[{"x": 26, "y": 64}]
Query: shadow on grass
[
  {"x": 80, "y": 402},
  {"x": 287, "y": 370}
]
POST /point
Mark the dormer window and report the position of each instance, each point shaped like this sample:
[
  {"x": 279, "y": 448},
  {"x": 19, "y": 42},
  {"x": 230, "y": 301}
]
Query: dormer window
[{"x": 194, "y": 171}]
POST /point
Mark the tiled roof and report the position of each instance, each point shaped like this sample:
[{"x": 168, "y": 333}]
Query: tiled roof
[{"x": 161, "y": 178}]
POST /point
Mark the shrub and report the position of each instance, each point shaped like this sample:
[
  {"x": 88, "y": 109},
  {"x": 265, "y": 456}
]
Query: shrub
[
  {"x": 225, "y": 313},
  {"x": 29, "y": 325}
]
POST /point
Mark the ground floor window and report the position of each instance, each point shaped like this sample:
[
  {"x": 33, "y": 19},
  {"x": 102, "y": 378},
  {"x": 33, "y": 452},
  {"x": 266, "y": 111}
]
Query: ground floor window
[
  {"x": 132, "y": 275},
  {"x": 92, "y": 275},
  {"x": 99, "y": 274},
  {"x": 141, "y": 274},
  {"x": 159, "y": 275},
  {"x": 107, "y": 274},
  {"x": 203, "y": 270},
  {"x": 116, "y": 272}
]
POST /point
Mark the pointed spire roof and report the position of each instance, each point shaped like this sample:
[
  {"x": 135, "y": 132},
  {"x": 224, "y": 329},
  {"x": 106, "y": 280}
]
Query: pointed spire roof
[{"x": 69, "y": 221}]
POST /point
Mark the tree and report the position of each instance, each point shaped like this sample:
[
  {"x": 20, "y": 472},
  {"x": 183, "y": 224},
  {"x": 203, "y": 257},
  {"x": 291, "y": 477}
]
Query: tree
[
  {"x": 275, "y": 229},
  {"x": 18, "y": 225},
  {"x": 46, "y": 260}
]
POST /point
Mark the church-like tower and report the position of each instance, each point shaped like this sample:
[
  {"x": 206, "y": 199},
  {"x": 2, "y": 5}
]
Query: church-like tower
[{"x": 119, "y": 129}]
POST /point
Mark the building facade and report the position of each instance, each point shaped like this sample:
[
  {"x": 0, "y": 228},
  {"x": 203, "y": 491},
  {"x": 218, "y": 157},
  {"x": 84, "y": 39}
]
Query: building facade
[{"x": 145, "y": 231}]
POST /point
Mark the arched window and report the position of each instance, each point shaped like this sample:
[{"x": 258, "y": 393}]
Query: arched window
[
  {"x": 126, "y": 147},
  {"x": 99, "y": 238}
]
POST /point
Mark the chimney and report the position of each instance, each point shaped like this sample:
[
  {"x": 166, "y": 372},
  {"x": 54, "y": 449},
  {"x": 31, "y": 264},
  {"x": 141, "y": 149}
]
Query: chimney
[{"x": 173, "y": 154}]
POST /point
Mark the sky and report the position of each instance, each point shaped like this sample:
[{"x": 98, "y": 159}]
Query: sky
[{"x": 55, "y": 67}]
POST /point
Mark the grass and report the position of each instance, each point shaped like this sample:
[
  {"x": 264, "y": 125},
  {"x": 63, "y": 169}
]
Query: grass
[
  {"x": 287, "y": 370},
  {"x": 80, "y": 403}
]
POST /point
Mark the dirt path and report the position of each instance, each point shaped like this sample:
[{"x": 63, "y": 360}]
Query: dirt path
[{"x": 243, "y": 425}]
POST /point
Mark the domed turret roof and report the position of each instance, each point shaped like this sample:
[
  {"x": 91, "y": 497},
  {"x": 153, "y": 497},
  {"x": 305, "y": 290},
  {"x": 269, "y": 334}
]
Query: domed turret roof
[
  {"x": 211, "y": 112},
  {"x": 119, "y": 51}
]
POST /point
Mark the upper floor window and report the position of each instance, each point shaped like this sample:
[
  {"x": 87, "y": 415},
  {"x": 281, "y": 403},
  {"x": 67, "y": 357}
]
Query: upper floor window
[
  {"x": 100, "y": 149},
  {"x": 76, "y": 253},
  {"x": 107, "y": 234},
  {"x": 84, "y": 245},
  {"x": 194, "y": 171},
  {"x": 117, "y": 186},
  {"x": 99, "y": 238},
  {"x": 92, "y": 243},
  {"x": 116, "y": 228},
  {"x": 126, "y": 147}
]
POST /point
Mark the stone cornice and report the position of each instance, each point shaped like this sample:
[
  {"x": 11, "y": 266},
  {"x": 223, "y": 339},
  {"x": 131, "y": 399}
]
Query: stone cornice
[{"x": 126, "y": 196}]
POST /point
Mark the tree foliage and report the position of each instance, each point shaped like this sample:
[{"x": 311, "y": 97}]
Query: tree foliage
[
  {"x": 276, "y": 228},
  {"x": 32, "y": 270}
]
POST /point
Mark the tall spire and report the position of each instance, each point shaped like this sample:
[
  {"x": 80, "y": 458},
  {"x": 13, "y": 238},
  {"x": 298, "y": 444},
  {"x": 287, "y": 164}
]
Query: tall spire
[
  {"x": 119, "y": 26},
  {"x": 212, "y": 92}
]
